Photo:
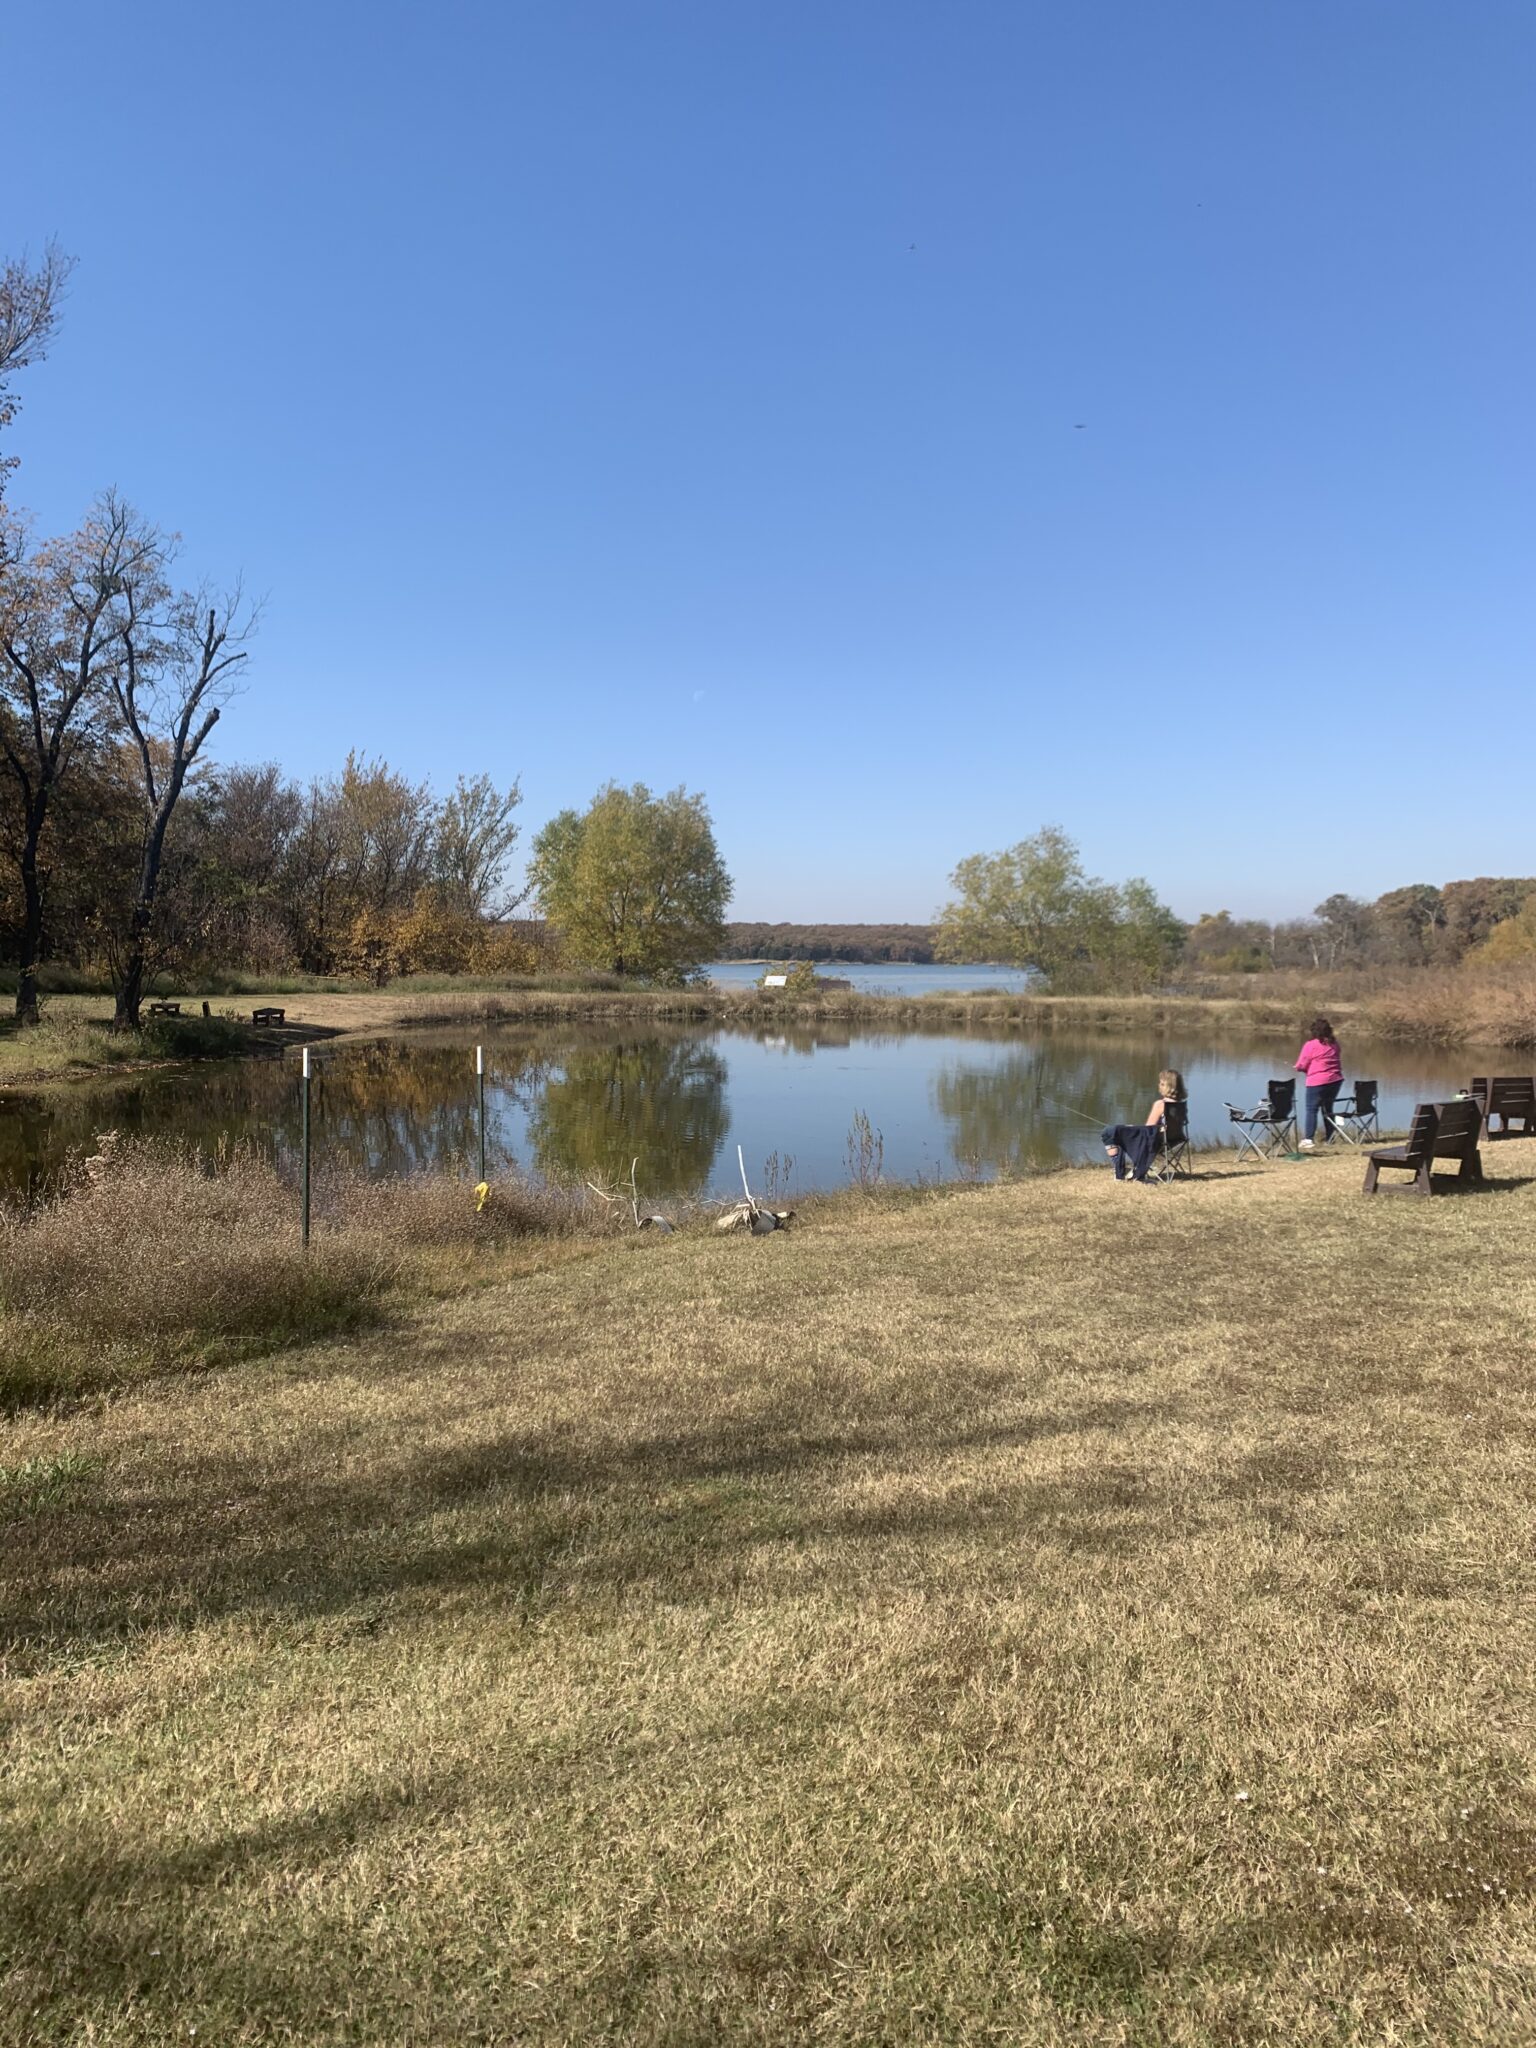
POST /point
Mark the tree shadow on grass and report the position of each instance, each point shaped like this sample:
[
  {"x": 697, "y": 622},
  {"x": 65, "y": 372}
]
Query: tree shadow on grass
[
  {"x": 105, "y": 1915},
  {"x": 516, "y": 1515}
]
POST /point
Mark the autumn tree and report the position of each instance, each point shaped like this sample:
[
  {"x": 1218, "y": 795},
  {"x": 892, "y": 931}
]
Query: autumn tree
[
  {"x": 1473, "y": 908},
  {"x": 635, "y": 883},
  {"x": 1408, "y": 921},
  {"x": 1346, "y": 929},
  {"x": 180, "y": 655},
  {"x": 62, "y": 653}
]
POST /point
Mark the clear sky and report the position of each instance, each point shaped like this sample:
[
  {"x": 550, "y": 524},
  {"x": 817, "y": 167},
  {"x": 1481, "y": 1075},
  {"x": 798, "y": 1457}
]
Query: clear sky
[{"x": 905, "y": 423}]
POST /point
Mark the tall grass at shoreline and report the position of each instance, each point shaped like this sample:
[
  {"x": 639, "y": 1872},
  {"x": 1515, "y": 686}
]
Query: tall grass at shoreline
[
  {"x": 1493, "y": 1007},
  {"x": 154, "y": 1257}
]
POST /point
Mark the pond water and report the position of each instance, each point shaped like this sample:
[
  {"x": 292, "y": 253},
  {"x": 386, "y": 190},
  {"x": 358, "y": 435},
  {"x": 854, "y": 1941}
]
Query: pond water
[{"x": 945, "y": 1100}]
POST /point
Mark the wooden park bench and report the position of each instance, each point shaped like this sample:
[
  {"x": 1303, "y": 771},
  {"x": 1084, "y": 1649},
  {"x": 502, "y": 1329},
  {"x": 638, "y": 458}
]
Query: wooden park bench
[
  {"x": 267, "y": 1016},
  {"x": 1512, "y": 1099},
  {"x": 1440, "y": 1130},
  {"x": 165, "y": 1009}
]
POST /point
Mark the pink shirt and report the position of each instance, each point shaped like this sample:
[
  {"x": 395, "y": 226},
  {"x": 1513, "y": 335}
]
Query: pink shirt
[{"x": 1320, "y": 1062}]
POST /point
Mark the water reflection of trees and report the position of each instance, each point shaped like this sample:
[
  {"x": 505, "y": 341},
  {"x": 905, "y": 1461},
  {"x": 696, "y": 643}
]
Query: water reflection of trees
[
  {"x": 799, "y": 1037},
  {"x": 1037, "y": 1106},
  {"x": 663, "y": 1099},
  {"x": 999, "y": 1098},
  {"x": 403, "y": 1107}
]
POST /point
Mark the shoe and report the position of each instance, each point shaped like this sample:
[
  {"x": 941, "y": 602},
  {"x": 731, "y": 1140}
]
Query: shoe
[{"x": 1307, "y": 1145}]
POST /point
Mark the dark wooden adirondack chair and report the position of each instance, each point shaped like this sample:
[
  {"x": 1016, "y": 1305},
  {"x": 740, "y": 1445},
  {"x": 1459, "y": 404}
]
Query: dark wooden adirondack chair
[
  {"x": 1512, "y": 1099},
  {"x": 1440, "y": 1130}
]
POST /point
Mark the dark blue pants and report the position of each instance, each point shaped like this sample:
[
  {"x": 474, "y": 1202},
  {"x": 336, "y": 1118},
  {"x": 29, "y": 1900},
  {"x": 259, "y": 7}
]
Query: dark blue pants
[
  {"x": 1321, "y": 1099},
  {"x": 1138, "y": 1148}
]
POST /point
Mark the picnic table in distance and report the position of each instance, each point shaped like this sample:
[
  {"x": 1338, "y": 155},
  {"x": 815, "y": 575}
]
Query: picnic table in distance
[{"x": 268, "y": 1015}]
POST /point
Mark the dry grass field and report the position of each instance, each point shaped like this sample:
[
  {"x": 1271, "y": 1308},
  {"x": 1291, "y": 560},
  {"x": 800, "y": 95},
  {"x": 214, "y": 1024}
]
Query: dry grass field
[{"x": 1052, "y": 1613}]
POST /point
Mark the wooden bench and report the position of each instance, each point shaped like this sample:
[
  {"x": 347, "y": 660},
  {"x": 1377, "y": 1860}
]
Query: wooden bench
[
  {"x": 1512, "y": 1099},
  {"x": 165, "y": 1009},
  {"x": 1440, "y": 1130},
  {"x": 268, "y": 1016}
]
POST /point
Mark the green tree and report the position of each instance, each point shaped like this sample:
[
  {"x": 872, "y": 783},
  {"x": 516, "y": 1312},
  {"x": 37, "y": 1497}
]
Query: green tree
[
  {"x": 1218, "y": 943},
  {"x": 1148, "y": 938},
  {"x": 1033, "y": 906},
  {"x": 635, "y": 883},
  {"x": 1024, "y": 906}
]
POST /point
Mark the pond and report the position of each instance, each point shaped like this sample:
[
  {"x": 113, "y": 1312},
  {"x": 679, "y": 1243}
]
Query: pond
[{"x": 942, "y": 1100}]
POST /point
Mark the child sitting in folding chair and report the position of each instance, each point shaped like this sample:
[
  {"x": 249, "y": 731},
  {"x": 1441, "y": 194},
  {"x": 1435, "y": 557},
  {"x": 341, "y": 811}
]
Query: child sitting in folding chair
[{"x": 1135, "y": 1145}]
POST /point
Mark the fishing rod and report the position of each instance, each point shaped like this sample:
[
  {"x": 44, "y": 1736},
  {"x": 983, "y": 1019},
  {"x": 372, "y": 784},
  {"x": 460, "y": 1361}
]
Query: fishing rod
[{"x": 1067, "y": 1110}]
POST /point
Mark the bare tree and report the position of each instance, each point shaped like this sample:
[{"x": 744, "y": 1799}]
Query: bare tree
[
  {"x": 181, "y": 656},
  {"x": 60, "y": 643},
  {"x": 475, "y": 835},
  {"x": 30, "y": 298}
]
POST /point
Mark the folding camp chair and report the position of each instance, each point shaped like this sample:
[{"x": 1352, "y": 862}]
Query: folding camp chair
[
  {"x": 1171, "y": 1159},
  {"x": 1354, "y": 1116},
  {"x": 1271, "y": 1127}
]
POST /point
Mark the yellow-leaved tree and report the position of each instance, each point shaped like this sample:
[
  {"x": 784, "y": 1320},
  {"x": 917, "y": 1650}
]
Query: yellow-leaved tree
[{"x": 635, "y": 883}]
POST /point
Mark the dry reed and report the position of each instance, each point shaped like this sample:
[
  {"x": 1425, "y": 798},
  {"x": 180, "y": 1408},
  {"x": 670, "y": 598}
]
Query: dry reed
[{"x": 155, "y": 1256}]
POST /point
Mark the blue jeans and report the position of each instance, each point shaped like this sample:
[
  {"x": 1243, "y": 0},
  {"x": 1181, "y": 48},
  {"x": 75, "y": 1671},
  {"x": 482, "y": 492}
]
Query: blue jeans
[
  {"x": 1136, "y": 1146},
  {"x": 1321, "y": 1099}
]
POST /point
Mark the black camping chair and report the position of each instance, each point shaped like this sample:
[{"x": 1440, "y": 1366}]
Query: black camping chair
[
  {"x": 1354, "y": 1115},
  {"x": 1271, "y": 1127},
  {"x": 1171, "y": 1160}
]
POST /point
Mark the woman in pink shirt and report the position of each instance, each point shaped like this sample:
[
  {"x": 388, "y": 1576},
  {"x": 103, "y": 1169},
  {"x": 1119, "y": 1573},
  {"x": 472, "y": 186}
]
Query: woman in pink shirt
[{"x": 1321, "y": 1063}]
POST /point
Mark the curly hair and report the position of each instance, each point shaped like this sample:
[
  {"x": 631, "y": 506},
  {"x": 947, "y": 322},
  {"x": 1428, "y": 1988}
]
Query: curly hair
[{"x": 1170, "y": 1085}]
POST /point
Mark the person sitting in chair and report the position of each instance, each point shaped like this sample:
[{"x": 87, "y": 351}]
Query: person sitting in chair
[{"x": 1135, "y": 1145}]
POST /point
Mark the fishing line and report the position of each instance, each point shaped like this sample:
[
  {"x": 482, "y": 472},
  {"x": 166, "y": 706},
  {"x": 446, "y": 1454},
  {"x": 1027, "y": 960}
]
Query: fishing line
[{"x": 1067, "y": 1110}]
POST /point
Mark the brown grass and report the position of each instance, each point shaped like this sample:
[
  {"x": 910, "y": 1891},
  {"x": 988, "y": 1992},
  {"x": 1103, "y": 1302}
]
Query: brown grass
[
  {"x": 1060, "y": 1613},
  {"x": 156, "y": 1258},
  {"x": 1467, "y": 1006}
]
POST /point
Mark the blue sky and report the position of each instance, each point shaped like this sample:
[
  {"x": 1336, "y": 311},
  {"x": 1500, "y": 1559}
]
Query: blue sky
[{"x": 691, "y": 393}]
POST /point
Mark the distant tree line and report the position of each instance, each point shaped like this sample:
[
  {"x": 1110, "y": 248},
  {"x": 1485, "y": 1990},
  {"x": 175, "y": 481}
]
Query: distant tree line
[
  {"x": 861, "y": 942},
  {"x": 1490, "y": 918},
  {"x": 1034, "y": 906}
]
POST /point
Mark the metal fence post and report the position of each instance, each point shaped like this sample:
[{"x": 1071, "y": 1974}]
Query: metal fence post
[
  {"x": 480, "y": 1079},
  {"x": 304, "y": 1204}
]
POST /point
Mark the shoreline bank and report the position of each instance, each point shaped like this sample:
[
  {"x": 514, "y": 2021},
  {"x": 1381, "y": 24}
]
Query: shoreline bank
[{"x": 72, "y": 1044}]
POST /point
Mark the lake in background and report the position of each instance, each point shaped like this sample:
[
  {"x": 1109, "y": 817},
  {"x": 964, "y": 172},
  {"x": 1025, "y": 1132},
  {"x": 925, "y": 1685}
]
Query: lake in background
[
  {"x": 886, "y": 977},
  {"x": 571, "y": 1101}
]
